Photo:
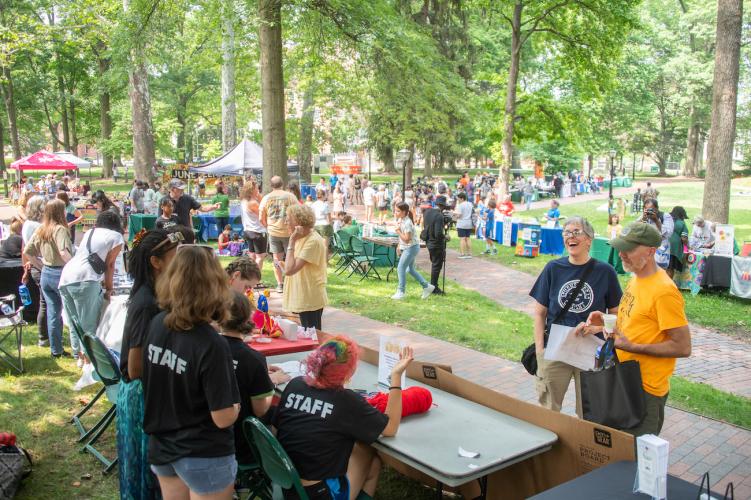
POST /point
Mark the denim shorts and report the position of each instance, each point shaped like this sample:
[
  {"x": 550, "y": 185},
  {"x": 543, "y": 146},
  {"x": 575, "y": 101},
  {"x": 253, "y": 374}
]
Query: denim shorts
[{"x": 202, "y": 475}]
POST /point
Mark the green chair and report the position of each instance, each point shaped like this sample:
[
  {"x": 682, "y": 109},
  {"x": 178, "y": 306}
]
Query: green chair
[
  {"x": 274, "y": 460},
  {"x": 343, "y": 250},
  {"x": 109, "y": 372},
  {"x": 76, "y": 419},
  {"x": 363, "y": 260}
]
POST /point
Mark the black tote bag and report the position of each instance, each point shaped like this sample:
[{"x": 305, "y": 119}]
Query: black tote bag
[{"x": 613, "y": 396}]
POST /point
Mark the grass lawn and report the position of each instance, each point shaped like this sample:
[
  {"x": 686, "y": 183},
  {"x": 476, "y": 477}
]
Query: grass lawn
[{"x": 502, "y": 332}]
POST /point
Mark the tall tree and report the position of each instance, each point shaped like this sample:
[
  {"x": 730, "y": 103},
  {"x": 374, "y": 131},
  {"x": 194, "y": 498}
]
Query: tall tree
[
  {"x": 229, "y": 109},
  {"x": 304, "y": 149},
  {"x": 716, "y": 204},
  {"x": 144, "y": 155},
  {"x": 272, "y": 91}
]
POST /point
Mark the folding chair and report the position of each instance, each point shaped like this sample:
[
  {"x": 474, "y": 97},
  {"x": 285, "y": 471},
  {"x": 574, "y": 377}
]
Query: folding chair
[
  {"x": 76, "y": 419},
  {"x": 274, "y": 460},
  {"x": 344, "y": 251},
  {"x": 364, "y": 262},
  {"x": 109, "y": 372},
  {"x": 251, "y": 480},
  {"x": 12, "y": 323}
]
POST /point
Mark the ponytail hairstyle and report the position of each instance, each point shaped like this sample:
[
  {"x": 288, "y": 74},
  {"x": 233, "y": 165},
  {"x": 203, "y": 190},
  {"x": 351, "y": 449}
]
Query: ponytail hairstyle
[
  {"x": 332, "y": 364},
  {"x": 246, "y": 266},
  {"x": 238, "y": 314},
  {"x": 403, "y": 207}
]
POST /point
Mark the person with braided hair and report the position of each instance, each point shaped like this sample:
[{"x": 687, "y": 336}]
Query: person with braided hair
[
  {"x": 243, "y": 273},
  {"x": 151, "y": 254},
  {"x": 327, "y": 430}
]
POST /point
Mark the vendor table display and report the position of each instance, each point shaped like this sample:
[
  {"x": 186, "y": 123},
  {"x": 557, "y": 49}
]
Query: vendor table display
[
  {"x": 429, "y": 442},
  {"x": 551, "y": 241},
  {"x": 613, "y": 482},
  {"x": 740, "y": 280},
  {"x": 384, "y": 250},
  {"x": 279, "y": 346}
]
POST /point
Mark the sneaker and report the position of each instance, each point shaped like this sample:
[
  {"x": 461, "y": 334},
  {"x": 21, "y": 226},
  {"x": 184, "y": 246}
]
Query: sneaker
[
  {"x": 438, "y": 291},
  {"x": 43, "y": 343},
  {"x": 486, "y": 252},
  {"x": 280, "y": 289},
  {"x": 465, "y": 256},
  {"x": 494, "y": 252},
  {"x": 64, "y": 354},
  {"x": 427, "y": 291},
  {"x": 398, "y": 296}
]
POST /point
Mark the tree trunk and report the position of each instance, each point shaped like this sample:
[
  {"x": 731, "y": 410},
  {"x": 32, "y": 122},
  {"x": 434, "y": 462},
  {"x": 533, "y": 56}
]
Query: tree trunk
[
  {"x": 305, "y": 145},
  {"x": 589, "y": 164},
  {"x": 509, "y": 115},
  {"x": 105, "y": 120},
  {"x": 52, "y": 127},
  {"x": 724, "y": 103},
  {"x": 183, "y": 151},
  {"x": 229, "y": 110},
  {"x": 2, "y": 159},
  {"x": 693, "y": 143},
  {"x": 409, "y": 167},
  {"x": 10, "y": 110},
  {"x": 386, "y": 154},
  {"x": 143, "y": 133},
  {"x": 73, "y": 130},
  {"x": 428, "y": 171},
  {"x": 63, "y": 111},
  {"x": 272, "y": 91}
]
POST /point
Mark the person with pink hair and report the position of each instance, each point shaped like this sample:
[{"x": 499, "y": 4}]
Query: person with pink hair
[{"x": 327, "y": 430}]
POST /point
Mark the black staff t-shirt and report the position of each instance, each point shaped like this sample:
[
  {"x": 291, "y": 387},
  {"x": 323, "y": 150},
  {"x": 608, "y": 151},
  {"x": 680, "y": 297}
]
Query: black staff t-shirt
[
  {"x": 186, "y": 376},
  {"x": 142, "y": 307},
  {"x": 253, "y": 382},
  {"x": 318, "y": 427},
  {"x": 163, "y": 222},
  {"x": 558, "y": 280}
]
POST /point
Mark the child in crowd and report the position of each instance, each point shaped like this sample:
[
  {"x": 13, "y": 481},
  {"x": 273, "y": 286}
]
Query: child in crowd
[
  {"x": 225, "y": 237},
  {"x": 488, "y": 216},
  {"x": 614, "y": 226},
  {"x": 331, "y": 448},
  {"x": 253, "y": 378},
  {"x": 168, "y": 218},
  {"x": 339, "y": 222},
  {"x": 553, "y": 215}
]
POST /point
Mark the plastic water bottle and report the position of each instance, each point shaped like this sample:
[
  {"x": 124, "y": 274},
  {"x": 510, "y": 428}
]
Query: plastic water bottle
[
  {"x": 23, "y": 291},
  {"x": 6, "y": 309}
]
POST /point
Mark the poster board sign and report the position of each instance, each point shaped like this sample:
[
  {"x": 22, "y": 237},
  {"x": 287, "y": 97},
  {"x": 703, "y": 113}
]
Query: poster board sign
[
  {"x": 508, "y": 228},
  {"x": 388, "y": 356},
  {"x": 724, "y": 237}
]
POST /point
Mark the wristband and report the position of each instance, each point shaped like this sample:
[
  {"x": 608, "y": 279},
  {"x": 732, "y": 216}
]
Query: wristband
[{"x": 395, "y": 387}]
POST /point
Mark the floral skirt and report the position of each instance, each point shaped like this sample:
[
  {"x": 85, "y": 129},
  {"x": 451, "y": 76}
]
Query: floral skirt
[{"x": 136, "y": 479}]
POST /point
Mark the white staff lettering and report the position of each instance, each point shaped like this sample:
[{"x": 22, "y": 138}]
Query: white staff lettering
[
  {"x": 308, "y": 405},
  {"x": 165, "y": 357}
]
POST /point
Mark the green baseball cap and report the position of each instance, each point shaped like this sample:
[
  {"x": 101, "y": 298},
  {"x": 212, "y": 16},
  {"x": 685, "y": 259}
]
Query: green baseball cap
[{"x": 637, "y": 234}]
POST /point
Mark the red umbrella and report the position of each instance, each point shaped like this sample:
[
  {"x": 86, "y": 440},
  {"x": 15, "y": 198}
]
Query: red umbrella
[{"x": 43, "y": 160}]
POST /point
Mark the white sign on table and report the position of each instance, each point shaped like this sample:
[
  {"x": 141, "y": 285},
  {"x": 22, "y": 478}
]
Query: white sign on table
[
  {"x": 388, "y": 357},
  {"x": 564, "y": 345},
  {"x": 724, "y": 237},
  {"x": 507, "y": 227}
]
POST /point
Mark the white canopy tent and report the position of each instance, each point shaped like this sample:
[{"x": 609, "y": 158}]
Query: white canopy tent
[
  {"x": 244, "y": 158},
  {"x": 79, "y": 162}
]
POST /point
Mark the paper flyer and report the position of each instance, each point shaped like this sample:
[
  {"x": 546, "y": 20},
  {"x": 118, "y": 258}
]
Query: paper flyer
[{"x": 388, "y": 356}]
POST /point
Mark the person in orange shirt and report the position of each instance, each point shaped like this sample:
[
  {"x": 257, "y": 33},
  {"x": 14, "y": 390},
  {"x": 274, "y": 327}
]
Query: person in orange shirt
[{"x": 652, "y": 327}]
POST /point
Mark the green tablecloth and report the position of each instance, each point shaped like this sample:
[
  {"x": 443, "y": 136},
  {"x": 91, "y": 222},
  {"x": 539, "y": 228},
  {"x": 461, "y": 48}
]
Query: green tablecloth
[
  {"x": 602, "y": 251},
  {"x": 136, "y": 222}
]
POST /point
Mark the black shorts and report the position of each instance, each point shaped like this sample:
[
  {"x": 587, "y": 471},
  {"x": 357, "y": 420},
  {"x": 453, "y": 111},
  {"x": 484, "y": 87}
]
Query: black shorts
[
  {"x": 464, "y": 233},
  {"x": 257, "y": 242},
  {"x": 675, "y": 264},
  {"x": 322, "y": 490}
]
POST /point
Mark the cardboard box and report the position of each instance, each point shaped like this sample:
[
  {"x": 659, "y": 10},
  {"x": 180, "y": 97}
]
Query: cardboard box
[{"x": 581, "y": 447}]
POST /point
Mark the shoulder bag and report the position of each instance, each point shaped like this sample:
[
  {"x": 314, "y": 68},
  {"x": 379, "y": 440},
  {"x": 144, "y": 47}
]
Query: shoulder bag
[
  {"x": 529, "y": 356},
  {"x": 613, "y": 396},
  {"x": 95, "y": 261},
  {"x": 15, "y": 465}
]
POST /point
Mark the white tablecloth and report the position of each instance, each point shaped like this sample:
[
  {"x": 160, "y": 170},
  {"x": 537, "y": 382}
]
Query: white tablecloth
[{"x": 112, "y": 324}]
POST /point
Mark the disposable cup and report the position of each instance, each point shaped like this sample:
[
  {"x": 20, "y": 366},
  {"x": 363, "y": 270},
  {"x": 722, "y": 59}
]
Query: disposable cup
[{"x": 609, "y": 320}]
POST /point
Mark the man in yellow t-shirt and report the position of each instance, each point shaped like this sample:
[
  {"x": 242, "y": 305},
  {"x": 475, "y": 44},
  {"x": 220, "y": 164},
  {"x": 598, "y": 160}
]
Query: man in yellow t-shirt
[
  {"x": 272, "y": 211},
  {"x": 652, "y": 327},
  {"x": 305, "y": 268}
]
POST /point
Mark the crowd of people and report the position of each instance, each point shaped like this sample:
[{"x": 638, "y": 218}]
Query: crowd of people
[{"x": 189, "y": 380}]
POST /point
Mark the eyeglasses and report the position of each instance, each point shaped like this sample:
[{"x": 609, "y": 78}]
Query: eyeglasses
[
  {"x": 576, "y": 233},
  {"x": 173, "y": 238}
]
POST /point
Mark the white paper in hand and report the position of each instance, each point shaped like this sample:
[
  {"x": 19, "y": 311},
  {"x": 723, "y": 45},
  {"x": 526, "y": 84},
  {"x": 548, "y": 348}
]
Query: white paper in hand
[
  {"x": 291, "y": 368},
  {"x": 388, "y": 357},
  {"x": 564, "y": 345}
]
